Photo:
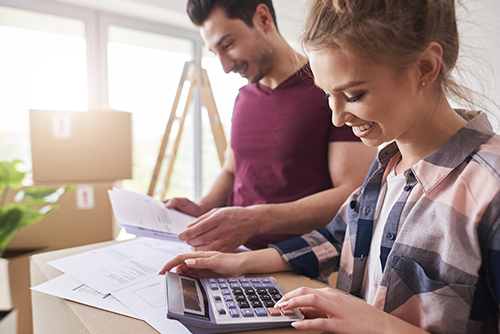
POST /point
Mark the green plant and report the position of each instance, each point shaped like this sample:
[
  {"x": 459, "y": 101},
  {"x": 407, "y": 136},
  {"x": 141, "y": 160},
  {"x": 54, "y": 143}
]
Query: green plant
[{"x": 30, "y": 204}]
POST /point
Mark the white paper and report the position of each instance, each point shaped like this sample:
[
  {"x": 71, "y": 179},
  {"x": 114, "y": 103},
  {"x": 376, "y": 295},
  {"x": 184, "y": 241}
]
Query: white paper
[
  {"x": 68, "y": 288},
  {"x": 145, "y": 212},
  {"x": 85, "y": 197},
  {"x": 147, "y": 300},
  {"x": 61, "y": 125},
  {"x": 119, "y": 266}
]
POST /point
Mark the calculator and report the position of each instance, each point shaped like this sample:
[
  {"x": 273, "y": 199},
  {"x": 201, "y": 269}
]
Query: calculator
[{"x": 219, "y": 305}]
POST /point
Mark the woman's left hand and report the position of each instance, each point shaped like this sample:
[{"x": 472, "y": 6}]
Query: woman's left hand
[{"x": 333, "y": 311}]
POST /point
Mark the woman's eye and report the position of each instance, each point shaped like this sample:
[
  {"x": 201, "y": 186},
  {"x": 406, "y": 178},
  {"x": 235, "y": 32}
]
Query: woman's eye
[
  {"x": 228, "y": 45},
  {"x": 326, "y": 96},
  {"x": 355, "y": 98}
]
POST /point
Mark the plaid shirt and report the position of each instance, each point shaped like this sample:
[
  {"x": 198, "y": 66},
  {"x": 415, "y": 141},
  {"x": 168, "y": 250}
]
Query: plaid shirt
[{"x": 440, "y": 251}]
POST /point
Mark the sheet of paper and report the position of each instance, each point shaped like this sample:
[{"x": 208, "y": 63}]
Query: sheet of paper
[
  {"x": 116, "y": 267},
  {"x": 66, "y": 287},
  {"x": 147, "y": 299},
  {"x": 146, "y": 212}
]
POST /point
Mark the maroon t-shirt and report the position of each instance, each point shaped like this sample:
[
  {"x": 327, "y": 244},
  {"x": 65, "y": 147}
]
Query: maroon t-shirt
[{"x": 280, "y": 141}]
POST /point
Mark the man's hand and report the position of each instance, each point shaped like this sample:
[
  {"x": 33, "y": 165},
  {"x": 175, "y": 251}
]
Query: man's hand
[
  {"x": 184, "y": 205},
  {"x": 223, "y": 229}
]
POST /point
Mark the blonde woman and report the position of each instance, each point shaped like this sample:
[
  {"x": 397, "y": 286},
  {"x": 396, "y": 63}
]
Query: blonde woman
[{"x": 420, "y": 240}]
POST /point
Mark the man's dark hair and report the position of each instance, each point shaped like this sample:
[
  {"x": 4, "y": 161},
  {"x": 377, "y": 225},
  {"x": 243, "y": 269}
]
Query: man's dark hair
[{"x": 200, "y": 10}]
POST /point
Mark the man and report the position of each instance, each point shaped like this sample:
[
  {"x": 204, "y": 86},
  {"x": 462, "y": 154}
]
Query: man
[{"x": 288, "y": 169}]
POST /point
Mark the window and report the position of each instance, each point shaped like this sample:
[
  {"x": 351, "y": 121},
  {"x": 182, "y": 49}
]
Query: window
[
  {"x": 144, "y": 69},
  {"x": 43, "y": 65}
]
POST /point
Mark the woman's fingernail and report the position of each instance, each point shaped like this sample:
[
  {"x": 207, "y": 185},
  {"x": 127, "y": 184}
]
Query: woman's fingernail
[
  {"x": 281, "y": 304},
  {"x": 297, "y": 324},
  {"x": 190, "y": 262},
  {"x": 181, "y": 237}
]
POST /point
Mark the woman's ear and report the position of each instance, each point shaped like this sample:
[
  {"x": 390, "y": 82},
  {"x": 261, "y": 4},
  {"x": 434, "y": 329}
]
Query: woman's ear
[{"x": 429, "y": 64}]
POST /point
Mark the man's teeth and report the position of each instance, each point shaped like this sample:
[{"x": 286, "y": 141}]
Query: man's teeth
[{"x": 363, "y": 127}]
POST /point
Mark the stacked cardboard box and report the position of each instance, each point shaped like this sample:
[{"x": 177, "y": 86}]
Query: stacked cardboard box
[{"x": 89, "y": 150}]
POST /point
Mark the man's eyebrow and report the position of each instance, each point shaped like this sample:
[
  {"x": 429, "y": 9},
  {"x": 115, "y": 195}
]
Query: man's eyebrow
[{"x": 221, "y": 40}]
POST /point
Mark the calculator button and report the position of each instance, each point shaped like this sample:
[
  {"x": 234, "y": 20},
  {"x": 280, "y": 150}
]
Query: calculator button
[
  {"x": 218, "y": 299},
  {"x": 250, "y": 291},
  {"x": 252, "y": 297},
  {"x": 255, "y": 280},
  {"x": 222, "y": 311},
  {"x": 228, "y": 298},
  {"x": 232, "y": 280},
  {"x": 211, "y": 281},
  {"x": 268, "y": 303},
  {"x": 243, "y": 304},
  {"x": 239, "y": 298},
  {"x": 261, "y": 312},
  {"x": 231, "y": 304},
  {"x": 265, "y": 297},
  {"x": 246, "y": 285},
  {"x": 214, "y": 287},
  {"x": 247, "y": 312},
  {"x": 234, "y": 285},
  {"x": 276, "y": 297},
  {"x": 262, "y": 291},
  {"x": 223, "y": 285},
  {"x": 244, "y": 280},
  {"x": 287, "y": 312},
  {"x": 237, "y": 291},
  {"x": 234, "y": 313},
  {"x": 226, "y": 292},
  {"x": 256, "y": 304},
  {"x": 274, "y": 312},
  {"x": 274, "y": 291},
  {"x": 221, "y": 280},
  {"x": 263, "y": 285},
  {"x": 265, "y": 280}
]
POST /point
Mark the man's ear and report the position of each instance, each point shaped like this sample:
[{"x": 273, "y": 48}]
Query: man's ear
[
  {"x": 429, "y": 64},
  {"x": 262, "y": 18}
]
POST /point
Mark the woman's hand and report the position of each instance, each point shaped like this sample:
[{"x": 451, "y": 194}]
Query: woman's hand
[
  {"x": 217, "y": 264},
  {"x": 205, "y": 265},
  {"x": 333, "y": 311}
]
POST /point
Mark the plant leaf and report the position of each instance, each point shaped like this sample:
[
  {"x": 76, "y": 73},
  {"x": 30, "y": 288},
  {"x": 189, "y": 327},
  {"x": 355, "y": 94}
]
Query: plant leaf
[{"x": 9, "y": 175}]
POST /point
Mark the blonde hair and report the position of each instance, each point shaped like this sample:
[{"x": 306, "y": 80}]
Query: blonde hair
[{"x": 390, "y": 32}]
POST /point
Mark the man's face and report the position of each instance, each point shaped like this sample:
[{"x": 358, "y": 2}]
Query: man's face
[{"x": 241, "y": 49}]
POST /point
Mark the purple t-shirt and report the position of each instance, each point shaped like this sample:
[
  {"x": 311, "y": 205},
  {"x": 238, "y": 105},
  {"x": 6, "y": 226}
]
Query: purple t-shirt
[{"x": 280, "y": 141}]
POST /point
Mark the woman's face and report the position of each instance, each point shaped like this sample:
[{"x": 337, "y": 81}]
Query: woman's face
[{"x": 378, "y": 103}]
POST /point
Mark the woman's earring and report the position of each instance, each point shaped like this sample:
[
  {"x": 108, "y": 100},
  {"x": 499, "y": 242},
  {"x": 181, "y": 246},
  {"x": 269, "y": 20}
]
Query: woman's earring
[{"x": 422, "y": 84}]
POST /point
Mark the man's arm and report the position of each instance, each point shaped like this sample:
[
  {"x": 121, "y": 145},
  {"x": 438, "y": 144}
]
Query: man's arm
[
  {"x": 227, "y": 228},
  {"x": 216, "y": 197}
]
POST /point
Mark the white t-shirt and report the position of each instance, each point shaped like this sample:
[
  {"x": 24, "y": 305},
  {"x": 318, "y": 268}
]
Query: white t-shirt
[{"x": 393, "y": 187}]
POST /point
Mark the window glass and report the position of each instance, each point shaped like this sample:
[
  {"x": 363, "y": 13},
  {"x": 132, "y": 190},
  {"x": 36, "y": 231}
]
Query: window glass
[
  {"x": 225, "y": 87},
  {"x": 144, "y": 71},
  {"x": 43, "y": 65}
]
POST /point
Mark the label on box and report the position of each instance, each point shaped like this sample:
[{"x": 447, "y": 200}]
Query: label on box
[
  {"x": 85, "y": 197},
  {"x": 61, "y": 125}
]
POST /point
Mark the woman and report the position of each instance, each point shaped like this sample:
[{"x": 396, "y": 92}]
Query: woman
[{"x": 420, "y": 241}]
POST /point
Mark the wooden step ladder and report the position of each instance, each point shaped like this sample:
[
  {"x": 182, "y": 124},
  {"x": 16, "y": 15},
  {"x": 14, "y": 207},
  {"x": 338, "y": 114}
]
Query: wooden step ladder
[{"x": 198, "y": 78}]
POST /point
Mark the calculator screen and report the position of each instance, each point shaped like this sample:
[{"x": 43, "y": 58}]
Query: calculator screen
[
  {"x": 194, "y": 298},
  {"x": 191, "y": 300}
]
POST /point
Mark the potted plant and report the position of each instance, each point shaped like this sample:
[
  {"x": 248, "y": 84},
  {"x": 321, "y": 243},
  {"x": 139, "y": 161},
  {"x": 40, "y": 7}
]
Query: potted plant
[{"x": 30, "y": 204}]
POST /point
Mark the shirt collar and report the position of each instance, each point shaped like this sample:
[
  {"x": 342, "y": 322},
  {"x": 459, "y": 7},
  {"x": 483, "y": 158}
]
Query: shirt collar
[{"x": 436, "y": 166}]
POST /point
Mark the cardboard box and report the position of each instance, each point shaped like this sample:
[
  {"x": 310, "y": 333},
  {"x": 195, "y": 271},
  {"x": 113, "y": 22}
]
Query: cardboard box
[
  {"x": 8, "y": 322},
  {"x": 15, "y": 287},
  {"x": 81, "y": 146},
  {"x": 84, "y": 216}
]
